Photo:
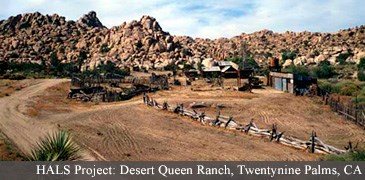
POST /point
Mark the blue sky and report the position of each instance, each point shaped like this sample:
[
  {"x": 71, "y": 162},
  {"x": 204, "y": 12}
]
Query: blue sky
[{"x": 207, "y": 18}]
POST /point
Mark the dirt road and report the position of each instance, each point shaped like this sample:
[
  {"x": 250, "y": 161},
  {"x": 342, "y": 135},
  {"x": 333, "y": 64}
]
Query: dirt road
[{"x": 24, "y": 131}]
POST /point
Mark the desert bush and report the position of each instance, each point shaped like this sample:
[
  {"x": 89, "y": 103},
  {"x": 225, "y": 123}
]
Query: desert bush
[
  {"x": 342, "y": 58},
  {"x": 328, "y": 87},
  {"x": 55, "y": 147},
  {"x": 287, "y": 54},
  {"x": 361, "y": 69},
  {"x": 347, "y": 88},
  {"x": 350, "y": 156},
  {"x": 324, "y": 70},
  {"x": 104, "y": 48},
  {"x": 300, "y": 70},
  {"x": 16, "y": 76}
]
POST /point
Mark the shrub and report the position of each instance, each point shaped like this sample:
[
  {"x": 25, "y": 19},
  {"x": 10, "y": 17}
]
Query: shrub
[
  {"x": 287, "y": 54},
  {"x": 16, "y": 76},
  {"x": 360, "y": 70},
  {"x": 237, "y": 60},
  {"x": 248, "y": 62},
  {"x": 348, "y": 90},
  {"x": 350, "y": 156},
  {"x": 328, "y": 87},
  {"x": 361, "y": 75},
  {"x": 300, "y": 70},
  {"x": 56, "y": 147},
  {"x": 324, "y": 70},
  {"x": 342, "y": 58},
  {"x": 361, "y": 64},
  {"x": 104, "y": 48},
  {"x": 171, "y": 67}
]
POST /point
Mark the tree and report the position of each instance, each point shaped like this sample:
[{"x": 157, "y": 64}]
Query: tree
[
  {"x": 4, "y": 66},
  {"x": 55, "y": 63},
  {"x": 342, "y": 58},
  {"x": 300, "y": 70},
  {"x": 54, "y": 60},
  {"x": 81, "y": 59},
  {"x": 324, "y": 70},
  {"x": 110, "y": 67},
  {"x": 250, "y": 62},
  {"x": 171, "y": 67},
  {"x": 287, "y": 54},
  {"x": 187, "y": 67},
  {"x": 361, "y": 69},
  {"x": 237, "y": 60}
]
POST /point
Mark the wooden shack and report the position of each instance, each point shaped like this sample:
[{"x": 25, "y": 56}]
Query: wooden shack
[{"x": 289, "y": 82}]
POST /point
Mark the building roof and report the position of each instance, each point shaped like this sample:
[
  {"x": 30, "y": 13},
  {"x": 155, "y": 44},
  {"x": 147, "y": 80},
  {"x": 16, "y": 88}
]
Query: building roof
[
  {"x": 228, "y": 67},
  {"x": 228, "y": 64},
  {"x": 225, "y": 63},
  {"x": 212, "y": 69},
  {"x": 280, "y": 74},
  {"x": 192, "y": 70}
]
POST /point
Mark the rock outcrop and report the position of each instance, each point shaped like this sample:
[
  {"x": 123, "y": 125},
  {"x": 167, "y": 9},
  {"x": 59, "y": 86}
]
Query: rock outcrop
[{"x": 33, "y": 37}]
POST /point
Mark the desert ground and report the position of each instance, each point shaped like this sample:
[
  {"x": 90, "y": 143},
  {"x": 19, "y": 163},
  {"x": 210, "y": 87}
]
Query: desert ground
[{"x": 130, "y": 130}]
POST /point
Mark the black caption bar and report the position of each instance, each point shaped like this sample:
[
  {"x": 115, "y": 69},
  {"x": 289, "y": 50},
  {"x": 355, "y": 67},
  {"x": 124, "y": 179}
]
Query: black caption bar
[{"x": 182, "y": 170}]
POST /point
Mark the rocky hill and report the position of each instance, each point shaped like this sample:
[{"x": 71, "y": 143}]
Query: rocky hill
[{"x": 33, "y": 37}]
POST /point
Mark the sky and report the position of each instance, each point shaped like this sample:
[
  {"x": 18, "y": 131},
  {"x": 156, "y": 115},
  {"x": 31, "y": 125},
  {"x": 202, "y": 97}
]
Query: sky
[{"x": 207, "y": 18}]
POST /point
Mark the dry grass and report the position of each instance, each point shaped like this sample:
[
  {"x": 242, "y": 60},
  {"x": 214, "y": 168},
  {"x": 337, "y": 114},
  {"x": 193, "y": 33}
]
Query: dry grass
[
  {"x": 297, "y": 116},
  {"x": 54, "y": 100},
  {"x": 129, "y": 130},
  {"x": 7, "y": 87},
  {"x": 8, "y": 152}
]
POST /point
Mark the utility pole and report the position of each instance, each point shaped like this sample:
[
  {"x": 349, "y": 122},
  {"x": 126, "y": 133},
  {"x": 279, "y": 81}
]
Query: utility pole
[{"x": 244, "y": 53}]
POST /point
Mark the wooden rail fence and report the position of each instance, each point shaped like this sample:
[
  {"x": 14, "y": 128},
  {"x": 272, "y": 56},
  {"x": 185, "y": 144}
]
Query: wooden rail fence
[
  {"x": 348, "y": 110},
  {"x": 313, "y": 144}
]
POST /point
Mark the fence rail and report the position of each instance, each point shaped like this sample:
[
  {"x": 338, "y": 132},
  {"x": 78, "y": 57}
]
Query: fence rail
[
  {"x": 314, "y": 144},
  {"x": 348, "y": 110}
]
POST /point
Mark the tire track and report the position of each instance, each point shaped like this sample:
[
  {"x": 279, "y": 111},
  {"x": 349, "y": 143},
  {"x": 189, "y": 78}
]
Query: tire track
[
  {"x": 118, "y": 141},
  {"x": 127, "y": 137}
]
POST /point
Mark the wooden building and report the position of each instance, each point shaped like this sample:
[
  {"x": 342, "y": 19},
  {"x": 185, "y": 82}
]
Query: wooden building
[
  {"x": 213, "y": 71},
  {"x": 289, "y": 82},
  {"x": 229, "y": 69}
]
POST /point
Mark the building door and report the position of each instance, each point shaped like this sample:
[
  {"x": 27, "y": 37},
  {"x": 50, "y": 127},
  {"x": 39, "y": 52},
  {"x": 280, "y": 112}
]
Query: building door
[
  {"x": 278, "y": 84},
  {"x": 285, "y": 85}
]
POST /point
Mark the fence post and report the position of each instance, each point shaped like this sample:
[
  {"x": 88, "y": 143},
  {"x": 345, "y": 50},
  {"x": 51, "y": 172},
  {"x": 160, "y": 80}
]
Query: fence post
[
  {"x": 313, "y": 138},
  {"x": 356, "y": 119}
]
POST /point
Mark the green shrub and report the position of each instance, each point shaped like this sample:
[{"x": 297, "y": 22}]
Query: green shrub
[
  {"x": 300, "y": 70},
  {"x": 350, "y": 156},
  {"x": 171, "y": 67},
  {"x": 361, "y": 69},
  {"x": 287, "y": 54},
  {"x": 328, "y": 87},
  {"x": 361, "y": 75},
  {"x": 361, "y": 64},
  {"x": 348, "y": 89},
  {"x": 104, "y": 48},
  {"x": 342, "y": 58},
  {"x": 16, "y": 76},
  {"x": 56, "y": 147}
]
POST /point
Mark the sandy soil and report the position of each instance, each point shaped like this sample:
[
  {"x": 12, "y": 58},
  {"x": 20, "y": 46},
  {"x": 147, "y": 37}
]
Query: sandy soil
[
  {"x": 8, "y": 152},
  {"x": 298, "y": 116},
  {"x": 129, "y": 130},
  {"x": 23, "y": 130}
]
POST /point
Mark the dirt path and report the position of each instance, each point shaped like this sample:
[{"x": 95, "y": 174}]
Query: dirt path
[{"x": 24, "y": 131}]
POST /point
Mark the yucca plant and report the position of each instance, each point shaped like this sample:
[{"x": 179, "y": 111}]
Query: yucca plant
[{"x": 55, "y": 147}]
